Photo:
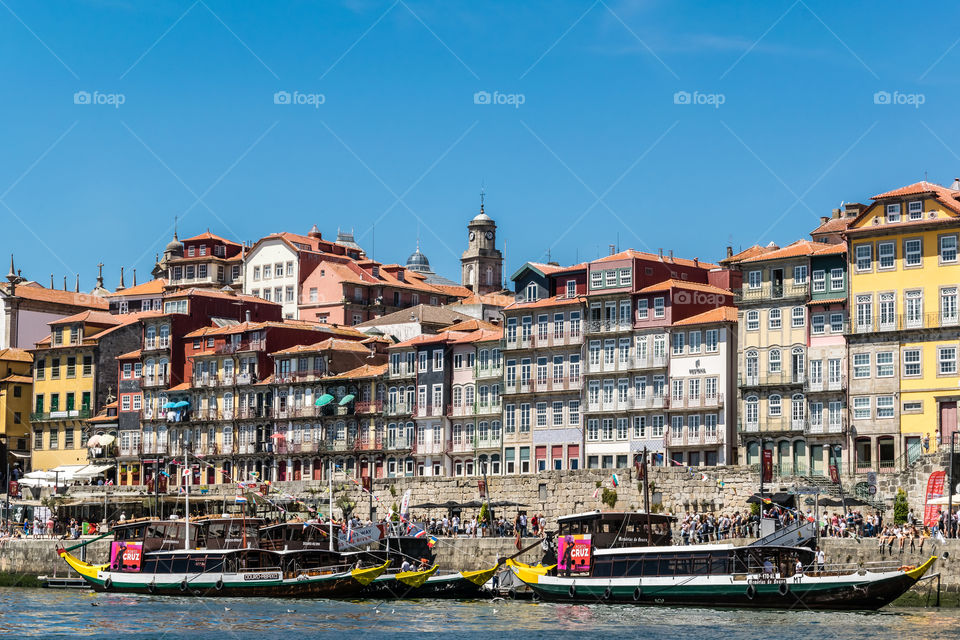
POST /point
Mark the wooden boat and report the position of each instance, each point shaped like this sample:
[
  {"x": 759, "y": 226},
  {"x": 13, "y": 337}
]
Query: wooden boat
[
  {"x": 628, "y": 558},
  {"x": 429, "y": 583}
]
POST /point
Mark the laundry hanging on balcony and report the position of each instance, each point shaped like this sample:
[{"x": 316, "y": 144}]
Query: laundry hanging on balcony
[
  {"x": 347, "y": 399},
  {"x": 324, "y": 400}
]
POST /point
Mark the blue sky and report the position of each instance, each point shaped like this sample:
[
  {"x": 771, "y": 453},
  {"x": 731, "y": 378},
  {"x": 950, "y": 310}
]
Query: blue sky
[{"x": 598, "y": 152}]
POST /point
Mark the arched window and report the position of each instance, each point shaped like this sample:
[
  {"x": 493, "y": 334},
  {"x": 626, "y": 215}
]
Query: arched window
[
  {"x": 797, "y": 410},
  {"x": 489, "y": 275},
  {"x": 468, "y": 395},
  {"x": 752, "y": 409},
  {"x": 774, "y": 361},
  {"x": 774, "y": 407},
  {"x": 457, "y": 396},
  {"x": 531, "y": 292},
  {"x": 753, "y": 320},
  {"x": 752, "y": 366}
]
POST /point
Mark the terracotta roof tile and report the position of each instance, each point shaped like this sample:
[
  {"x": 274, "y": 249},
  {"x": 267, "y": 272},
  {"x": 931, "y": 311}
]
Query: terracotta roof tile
[
  {"x": 720, "y": 314},
  {"x": 826, "y": 301},
  {"x": 363, "y": 371},
  {"x": 833, "y": 225},
  {"x": 330, "y": 344},
  {"x": 643, "y": 255},
  {"x": 146, "y": 288},
  {"x": 56, "y": 296},
  {"x": 553, "y": 301},
  {"x": 209, "y": 236},
  {"x": 947, "y": 197},
  {"x": 18, "y": 379},
  {"x": 183, "y": 386},
  {"x": 793, "y": 250},
  {"x": 683, "y": 284},
  {"x": 13, "y": 354},
  {"x": 130, "y": 355},
  {"x": 750, "y": 252},
  {"x": 101, "y": 318},
  {"x": 492, "y": 299},
  {"x": 832, "y": 249}
]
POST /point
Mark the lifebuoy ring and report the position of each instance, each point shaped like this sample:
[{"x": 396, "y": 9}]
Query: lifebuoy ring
[
  {"x": 219, "y": 585},
  {"x": 783, "y": 589},
  {"x": 751, "y": 591},
  {"x": 572, "y": 591},
  {"x": 108, "y": 583},
  {"x": 152, "y": 587},
  {"x": 183, "y": 585},
  {"x": 512, "y": 593},
  {"x": 607, "y": 593},
  {"x": 637, "y": 593}
]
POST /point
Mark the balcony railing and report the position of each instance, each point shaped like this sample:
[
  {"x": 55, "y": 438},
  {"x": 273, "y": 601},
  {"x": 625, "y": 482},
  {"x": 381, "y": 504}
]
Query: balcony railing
[
  {"x": 152, "y": 344},
  {"x": 161, "y": 380},
  {"x": 813, "y": 386},
  {"x": 630, "y": 364},
  {"x": 904, "y": 322},
  {"x": 688, "y": 439},
  {"x": 237, "y": 347},
  {"x": 646, "y": 402},
  {"x": 606, "y": 326},
  {"x": 768, "y": 290},
  {"x": 400, "y": 408},
  {"x": 368, "y": 406},
  {"x": 701, "y": 402},
  {"x": 250, "y": 413},
  {"x": 66, "y": 414},
  {"x": 399, "y": 444},
  {"x": 780, "y": 378},
  {"x": 826, "y": 425}
]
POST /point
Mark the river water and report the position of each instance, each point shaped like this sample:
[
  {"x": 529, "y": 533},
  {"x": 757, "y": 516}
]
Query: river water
[{"x": 26, "y": 613}]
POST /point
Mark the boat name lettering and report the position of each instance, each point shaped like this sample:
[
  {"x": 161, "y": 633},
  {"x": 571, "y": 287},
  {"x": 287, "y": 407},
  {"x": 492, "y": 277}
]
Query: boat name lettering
[
  {"x": 767, "y": 580},
  {"x": 261, "y": 576}
]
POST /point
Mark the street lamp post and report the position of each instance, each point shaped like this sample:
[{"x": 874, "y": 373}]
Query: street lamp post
[
  {"x": 6, "y": 480},
  {"x": 949, "y": 518}
]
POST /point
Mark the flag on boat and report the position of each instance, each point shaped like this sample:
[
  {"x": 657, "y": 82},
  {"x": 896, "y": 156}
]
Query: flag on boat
[
  {"x": 240, "y": 500},
  {"x": 186, "y": 472},
  {"x": 432, "y": 540},
  {"x": 420, "y": 534},
  {"x": 616, "y": 481}
]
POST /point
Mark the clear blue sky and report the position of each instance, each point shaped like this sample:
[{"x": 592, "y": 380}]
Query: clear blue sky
[{"x": 200, "y": 137}]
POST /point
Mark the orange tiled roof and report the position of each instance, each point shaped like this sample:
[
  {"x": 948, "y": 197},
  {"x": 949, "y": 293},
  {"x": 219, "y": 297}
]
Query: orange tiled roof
[
  {"x": 147, "y": 288},
  {"x": 792, "y": 250},
  {"x": 553, "y": 301},
  {"x": 214, "y": 293},
  {"x": 183, "y": 386},
  {"x": 18, "y": 379},
  {"x": 273, "y": 324},
  {"x": 130, "y": 355},
  {"x": 832, "y": 249},
  {"x": 833, "y": 225},
  {"x": 363, "y": 371},
  {"x": 330, "y": 344},
  {"x": 643, "y": 255},
  {"x": 209, "y": 236},
  {"x": 90, "y": 317},
  {"x": 720, "y": 314},
  {"x": 827, "y": 301},
  {"x": 492, "y": 299},
  {"x": 13, "y": 354},
  {"x": 750, "y": 252},
  {"x": 55, "y": 296},
  {"x": 683, "y": 284},
  {"x": 480, "y": 335},
  {"x": 946, "y": 196}
]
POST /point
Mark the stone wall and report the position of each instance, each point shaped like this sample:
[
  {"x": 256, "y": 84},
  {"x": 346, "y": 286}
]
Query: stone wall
[{"x": 39, "y": 557}]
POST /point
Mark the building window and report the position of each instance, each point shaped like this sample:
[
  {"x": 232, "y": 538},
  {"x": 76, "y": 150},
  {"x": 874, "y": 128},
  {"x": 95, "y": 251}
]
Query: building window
[
  {"x": 643, "y": 309},
  {"x": 798, "y": 317},
  {"x": 800, "y": 274},
  {"x": 774, "y": 406},
  {"x": 861, "y": 408},
  {"x": 678, "y": 344},
  {"x": 885, "y": 364},
  {"x": 774, "y": 361},
  {"x": 893, "y": 212},
  {"x": 754, "y": 279},
  {"x": 289, "y": 294},
  {"x": 819, "y": 281},
  {"x": 531, "y": 294},
  {"x": 948, "y": 248},
  {"x": 313, "y": 294},
  {"x": 571, "y": 288},
  {"x": 915, "y": 209},
  {"x": 884, "y": 407},
  {"x": 946, "y": 361},
  {"x": 836, "y": 322},
  {"x": 911, "y": 363},
  {"x": 948, "y": 306},
  {"x": 753, "y": 320},
  {"x": 836, "y": 279},
  {"x": 596, "y": 279},
  {"x": 694, "y": 342},
  {"x": 658, "y": 307},
  {"x": 886, "y": 254},
  {"x": 861, "y": 365},
  {"x": 267, "y": 271},
  {"x": 817, "y": 324},
  {"x": 712, "y": 340},
  {"x": 913, "y": 252},
  {"x": 774, "y": 320},
  {"x": 864, "y": 257}
]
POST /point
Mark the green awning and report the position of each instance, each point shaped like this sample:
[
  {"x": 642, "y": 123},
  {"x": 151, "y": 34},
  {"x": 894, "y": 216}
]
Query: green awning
[
  {"x": 347, "y": 399},
  {"x": 324, "y": 400}
]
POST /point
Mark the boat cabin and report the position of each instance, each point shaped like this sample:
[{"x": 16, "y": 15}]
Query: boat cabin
[
  {"x": 619, "y": 529},
  {"x": 758, "y": 563},
  {"x": 295, "y": 536},
  {"x": 157, "y": 535},
  {"x": 232, "y": 533}
]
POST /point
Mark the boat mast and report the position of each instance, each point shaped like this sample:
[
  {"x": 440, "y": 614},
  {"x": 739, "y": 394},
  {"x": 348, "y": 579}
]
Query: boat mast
[
  {"x": 186, "y": 479},
  {"x": 330, "y": 494}
]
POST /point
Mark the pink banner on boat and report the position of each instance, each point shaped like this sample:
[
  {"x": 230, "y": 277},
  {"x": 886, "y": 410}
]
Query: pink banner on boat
[
  {"x": 125, "y": 556},
  {"x": 574, "y": 553}
]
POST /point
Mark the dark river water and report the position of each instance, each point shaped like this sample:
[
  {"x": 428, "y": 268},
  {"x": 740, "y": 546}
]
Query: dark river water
[{"x": 28, "y": 613}]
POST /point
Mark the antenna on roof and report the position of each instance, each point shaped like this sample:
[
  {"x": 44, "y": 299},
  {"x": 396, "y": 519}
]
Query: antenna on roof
[{"x": 483, "y": 193}]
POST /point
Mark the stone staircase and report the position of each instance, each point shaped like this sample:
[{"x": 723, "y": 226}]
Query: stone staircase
[{"x": 829, "y": 488}]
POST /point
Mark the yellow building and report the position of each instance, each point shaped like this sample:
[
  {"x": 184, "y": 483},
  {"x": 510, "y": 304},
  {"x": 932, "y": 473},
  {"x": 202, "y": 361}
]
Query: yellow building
[
  {"x": 904, "y": 278},
  {"x": 75, "y": 371},
  {"x": 15, "y": 397}
]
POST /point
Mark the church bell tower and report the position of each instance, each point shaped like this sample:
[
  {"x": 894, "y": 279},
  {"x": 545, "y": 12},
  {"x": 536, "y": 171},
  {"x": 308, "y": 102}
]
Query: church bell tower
[{"x": 482, "y": 263}]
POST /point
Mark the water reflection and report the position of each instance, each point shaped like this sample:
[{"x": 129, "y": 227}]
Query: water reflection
[{"x": 61, "y": 614}]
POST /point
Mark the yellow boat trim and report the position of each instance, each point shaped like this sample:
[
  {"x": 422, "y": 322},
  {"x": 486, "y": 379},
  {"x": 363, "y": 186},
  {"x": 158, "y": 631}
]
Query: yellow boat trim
[
  {"x": 366, "y": 576},
  {"x": 480, "y": 577},
  {"x": 416, "y": 578},
  {"x": 85, "y": 569},
  {"x": 917, "y": 573},
  {"x": 526, "y": 573},
  {"x": 537, "y": 568}
]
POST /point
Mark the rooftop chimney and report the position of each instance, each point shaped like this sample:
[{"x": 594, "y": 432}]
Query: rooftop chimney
[
  {"x": 671, "y": 255},
  {"x": 729, "y": 251},
  {"x": 696, "y": 262},
  {"x": 248, "y": 315},
  {"x": 836, "y": 214},
  {"x": 612, "y": 249},
  {"x": 660, "y": 251},
  {"x": 956, "y": 184},
  {"x": 823, "y": 219}
]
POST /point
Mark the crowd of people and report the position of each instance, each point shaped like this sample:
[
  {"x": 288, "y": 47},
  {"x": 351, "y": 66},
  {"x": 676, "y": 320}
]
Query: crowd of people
[{"x": 454, "y": 526}]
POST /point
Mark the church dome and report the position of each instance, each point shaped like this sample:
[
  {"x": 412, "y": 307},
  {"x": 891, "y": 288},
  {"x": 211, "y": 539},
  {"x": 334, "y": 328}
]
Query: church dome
[
  {"x": 175, "y": 244},
  {"x": 482, "y": 217},
  {"x": 418, "y": 263}
]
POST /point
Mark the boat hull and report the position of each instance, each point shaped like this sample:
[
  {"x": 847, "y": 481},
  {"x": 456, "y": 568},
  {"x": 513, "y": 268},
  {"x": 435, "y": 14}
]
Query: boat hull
[
  {"x": 451, "y": 586},
  {"x": 857, "y": 591}
]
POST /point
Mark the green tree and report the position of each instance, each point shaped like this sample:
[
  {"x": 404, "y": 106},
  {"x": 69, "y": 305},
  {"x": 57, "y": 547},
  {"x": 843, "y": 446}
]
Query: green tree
[
  {"x": 900, "y": 507},
  {"x": 609, "y": 497}
]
